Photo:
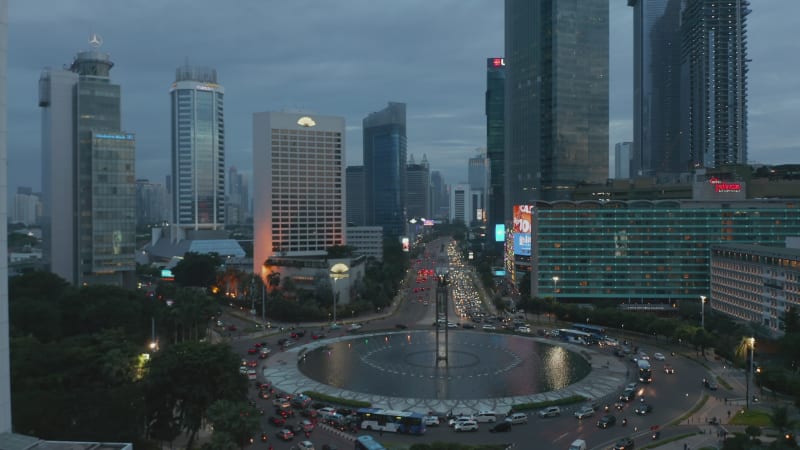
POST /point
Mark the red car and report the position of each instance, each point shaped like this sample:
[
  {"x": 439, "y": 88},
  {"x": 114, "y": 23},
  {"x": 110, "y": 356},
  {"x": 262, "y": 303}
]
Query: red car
[
  {"x": 277, "y": 420},
  {"x": 252, "y": 363},
  {"x": 252, "y": 351},
  {"x": 316, "y": 336},
  {"x": 286, "y": 434}
]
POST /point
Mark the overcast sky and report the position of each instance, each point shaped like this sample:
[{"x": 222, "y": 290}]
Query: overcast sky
[{"x": 346, "y": 58}]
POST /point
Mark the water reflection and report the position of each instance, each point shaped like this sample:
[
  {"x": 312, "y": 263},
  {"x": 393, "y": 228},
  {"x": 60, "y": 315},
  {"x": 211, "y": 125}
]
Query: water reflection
[{"x": 479, "y": 366}]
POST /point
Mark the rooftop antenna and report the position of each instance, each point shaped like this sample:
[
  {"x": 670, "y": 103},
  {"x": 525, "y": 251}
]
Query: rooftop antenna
[{"x": 95, "y": 41}]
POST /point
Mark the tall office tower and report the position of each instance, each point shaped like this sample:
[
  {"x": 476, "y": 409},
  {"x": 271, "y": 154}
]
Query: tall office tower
[
  {"x": 198, "y": 151},
  {"x": 300, "y": 208},
  {"x": 355, "y": 196},
  {"x": 495, "y": 136},
  {"x": 656, "y": 89},
  {"x": 440, "y": 201},
  {"x": 238, "y": 200},
  {"x": 5, "y": 375},
  {"x": 385, "y": 168},
  {"x": 622, "y": 160},
  {"x": 152, "y": 203},
  {"x": 418, "y": 189},
  {"x": 478, "y": 175},
  {"x": 714, "y": 79},
  {"x": 27, "y": 207},
  {"x": 88, "y": 162},
  {"x": 556, "y": 98},
  {"x": 460, "y": 204}
]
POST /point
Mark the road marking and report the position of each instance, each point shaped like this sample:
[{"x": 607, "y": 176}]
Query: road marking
[{"x": 561, "y": 437}]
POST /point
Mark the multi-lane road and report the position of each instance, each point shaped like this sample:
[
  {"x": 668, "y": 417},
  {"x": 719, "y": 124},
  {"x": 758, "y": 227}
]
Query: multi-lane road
[{"x": 671, "y": 395}]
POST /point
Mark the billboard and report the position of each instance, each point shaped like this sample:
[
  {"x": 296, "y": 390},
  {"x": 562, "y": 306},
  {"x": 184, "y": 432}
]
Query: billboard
[
  {"x": 522, "y": 229},
  {"x": 500, "y": 232},
  {"x": 406, "y": 243}
]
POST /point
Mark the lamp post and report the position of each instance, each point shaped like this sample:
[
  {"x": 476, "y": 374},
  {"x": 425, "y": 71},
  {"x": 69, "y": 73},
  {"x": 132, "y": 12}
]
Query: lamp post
[
  {"x": 751, "y": 342},
  {"x": 703, "y": 312},
  {"x": 623, "y": 333},
  {"x": 555, "y": 292},
  {"x": 339, "y": 271}
]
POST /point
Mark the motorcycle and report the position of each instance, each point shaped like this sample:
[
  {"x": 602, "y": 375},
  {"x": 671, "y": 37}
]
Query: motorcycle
[
  {"x": 624, "y": 422},
  {"x": 656, "y": 435}
]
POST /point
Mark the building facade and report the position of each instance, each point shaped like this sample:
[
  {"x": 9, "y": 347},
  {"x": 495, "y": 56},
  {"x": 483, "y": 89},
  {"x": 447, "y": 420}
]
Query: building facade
[
  {"x": 153, "y": 204},
  {"x": 755, "y": 283},
  {"x": 367, "y": 241},
  {"x": 657, "y": 148},
  {"x": 646, "y": 251},
  {"x": 5, "y": 363},
  {"x": 495, "y": 137},
  {"x": 622, "y": 160},
  {"x": 237, "y": 207},
  {"x": 300, "y": 207},
  {"x": 418, "y": 189},
  {"x": 714, "y": 82},
  {"x": 460, "y": 204},
  {"x": 88, "y": 166},
  {"x": 356, "y": 197},
  {"x": 384, "y": 143},
  {"x": 478, "y": 173},
  {"x": 27, "y": 207},
  {"x": 198, "y": 151},
  {"x": 440, "y": 200},
  {"x": 556, "y": 112}
]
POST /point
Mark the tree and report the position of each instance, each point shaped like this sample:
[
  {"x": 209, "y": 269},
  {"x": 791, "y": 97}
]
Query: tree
[
  {"x": 197, "y": 269},
  {"x": 236, "y": 420},
  {"x": 752, "y": 431},
  {"x": 184, "y": 380},
  {"x": 780, "y": 418}
]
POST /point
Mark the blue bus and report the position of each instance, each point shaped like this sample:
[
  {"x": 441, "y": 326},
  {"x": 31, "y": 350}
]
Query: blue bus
[
  {"x": 367, "y": 442},
  {"x": 592, "y": 329},
  {"x": 391, "y": 421}
]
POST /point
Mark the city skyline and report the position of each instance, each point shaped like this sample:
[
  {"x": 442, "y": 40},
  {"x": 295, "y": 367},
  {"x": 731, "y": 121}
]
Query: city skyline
[{"x": 287, "y": 57}]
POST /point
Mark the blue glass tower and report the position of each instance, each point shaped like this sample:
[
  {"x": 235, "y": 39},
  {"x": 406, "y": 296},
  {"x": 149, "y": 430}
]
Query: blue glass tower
[{"x": 385, "y": 169}]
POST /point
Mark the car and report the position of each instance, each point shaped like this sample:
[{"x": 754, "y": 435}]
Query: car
[
  {"x": 305, "y": 445},
  {"x": 466, "y": 425},
  {"x": 643, "y": 409},
  {"x": 251, "y": 374},
  {"x": 669, "y": 369},
  {"x": 252, "y": 363},
  {"x": 486, "y": 416},
  {"x": 354, "y": 327},
  {"x": 430, "y": 421},
  {"x": 659, "y": 356},
  {"x": 468, "y": 326},
  {"x": 326, "y": 412},
  {"x": 606, "y": 421},
  {"x": 632, "y": 385},
  {"x": 287, "y": 343},
  {"x": 489, "y": 327},
  {"x": 285, "y": 434},
  {"x": 627, "y": 395},
  {"x": 297, "y": 334},
  {"x": 282, "y": 402},
  {"x": 502, "y": 426},
  {"x": 282, "y": 341},
  {"x": 317, "y": 335},
  {"x": 452, "y": 422},
  {"x": 306, "y": 425},
  {"x": 252, "y": 351},
  {"x": 220, "y": 323},
  {"x": 277, "y": 421},
  {"x": 625, "y": 443},
  {"x": 243, "y": 370},
  {"x": 710, "y": 385},
  {"x": 263, "y": 355},
  {"x": 550, "y": 411},
  {"x": 584, "y": 412},
  {"x": 517, "y": 418}
]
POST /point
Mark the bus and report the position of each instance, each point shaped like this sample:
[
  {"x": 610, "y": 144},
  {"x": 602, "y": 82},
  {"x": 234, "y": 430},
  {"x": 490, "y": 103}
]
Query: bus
[
  {"x": 575, "y": 336},
  {"x": 367, "y": 442},
  {"x": 596, "y": 330},
  {"x": 645, "y": 372},
  {"x": 391, "y": 421}
]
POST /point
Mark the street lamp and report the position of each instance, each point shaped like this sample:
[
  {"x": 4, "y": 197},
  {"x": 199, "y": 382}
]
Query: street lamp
[
  {"x": 339, "y": 271},
  {"x": 623, "y": 333},
  {"x": 555, "y": 293},
  {"x": 751, "y": 342},
  {"x": 703, "y": 312}
]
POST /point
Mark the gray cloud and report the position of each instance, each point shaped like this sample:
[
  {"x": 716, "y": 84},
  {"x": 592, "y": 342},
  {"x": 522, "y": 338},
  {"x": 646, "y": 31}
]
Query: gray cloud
[{"x": 343, "y": 58}]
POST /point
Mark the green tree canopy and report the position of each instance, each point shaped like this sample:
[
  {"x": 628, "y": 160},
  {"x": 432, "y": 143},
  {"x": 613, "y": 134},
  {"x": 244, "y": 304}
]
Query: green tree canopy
[{"x": 197, "y": 269}]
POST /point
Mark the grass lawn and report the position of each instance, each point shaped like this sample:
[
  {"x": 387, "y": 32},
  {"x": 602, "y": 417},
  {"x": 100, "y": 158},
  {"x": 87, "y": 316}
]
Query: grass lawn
[{"x": 752, "y": 417}]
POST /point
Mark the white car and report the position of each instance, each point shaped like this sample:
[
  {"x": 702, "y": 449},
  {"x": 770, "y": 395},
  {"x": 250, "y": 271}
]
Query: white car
[
  {"x": 305, "y": 445},
  {"x": 584, "y": 412},
  {"x": 658, "y": 356},
  {"x": 355, "y": 327},
  {"x": 466, "y": 425},
  {"x": 452, "y": 422},
  {"x": 489, "y": 326},
  {"x": 431, "y": 421},
  {"x": 550, "y": 411}
]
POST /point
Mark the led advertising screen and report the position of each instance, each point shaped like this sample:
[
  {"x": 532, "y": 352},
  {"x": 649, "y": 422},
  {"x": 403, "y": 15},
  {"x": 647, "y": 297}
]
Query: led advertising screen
[
  {"x": 522, "y": 229},
  {"x": 406, "y": 243},
  {"x": 500, "y": 232}
]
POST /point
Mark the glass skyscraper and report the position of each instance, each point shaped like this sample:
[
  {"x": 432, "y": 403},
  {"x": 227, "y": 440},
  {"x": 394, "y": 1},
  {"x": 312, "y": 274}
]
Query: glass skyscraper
[
  {"x": 198, "y": 151},
  {"x": 495, "y": 137},
  {"x": 385, "y": 168},
  {"x": 657, "y": 148},
  {"x": 556, "y": 114},
  {"x": 714, "y": 78},
  {"x": 88, "y": 174}
]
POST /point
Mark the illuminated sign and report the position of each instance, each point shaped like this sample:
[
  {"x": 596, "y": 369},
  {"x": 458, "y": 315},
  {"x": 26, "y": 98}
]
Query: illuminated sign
[
  {"x": 723, "y": 186},
  {"x": 405, "y": 244},
  {"x": 522, "y": 229},
  {"x": 166, "y": 274},
  {"x": 522, "y": 244},
  {"x": 306, "y": 121},
  {"x": 497, "y": 62},
  {"x": 428, "y": 223},
  {"x": 499, "y": 232}
]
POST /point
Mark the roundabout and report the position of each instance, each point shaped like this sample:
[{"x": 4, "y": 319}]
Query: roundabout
[{"x": 398, "y": 370}]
